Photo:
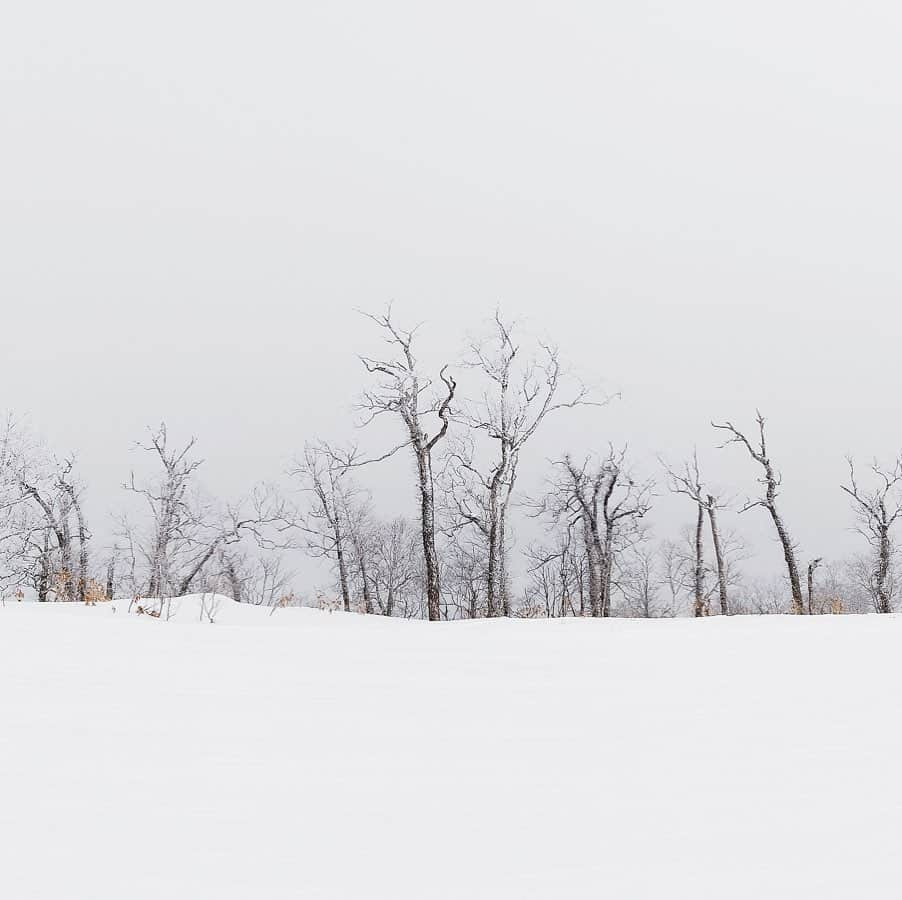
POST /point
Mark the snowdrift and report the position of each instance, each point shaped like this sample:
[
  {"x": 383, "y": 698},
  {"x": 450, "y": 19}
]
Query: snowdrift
[{"x": 353, "y": 757}]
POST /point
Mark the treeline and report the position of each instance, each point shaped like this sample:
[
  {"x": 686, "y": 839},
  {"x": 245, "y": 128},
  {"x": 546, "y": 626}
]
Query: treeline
[{"x": 464, "y": 427}]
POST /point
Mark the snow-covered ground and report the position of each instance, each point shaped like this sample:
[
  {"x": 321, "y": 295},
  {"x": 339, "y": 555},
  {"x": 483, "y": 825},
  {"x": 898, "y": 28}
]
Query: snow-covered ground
[{"x": 309, "y": 755}]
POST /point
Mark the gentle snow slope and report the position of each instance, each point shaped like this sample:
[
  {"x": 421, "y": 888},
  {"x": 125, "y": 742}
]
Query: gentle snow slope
[{"x": 335, "y": 756}]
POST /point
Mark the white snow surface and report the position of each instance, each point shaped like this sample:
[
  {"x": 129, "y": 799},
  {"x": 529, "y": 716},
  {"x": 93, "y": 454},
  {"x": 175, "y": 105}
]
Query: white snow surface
[{"x": 313, "y": 755}]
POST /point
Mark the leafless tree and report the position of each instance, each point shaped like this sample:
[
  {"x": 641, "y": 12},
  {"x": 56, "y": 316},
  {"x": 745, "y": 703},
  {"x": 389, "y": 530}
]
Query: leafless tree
[
  {"x": 688, "y": 482},
  {"x": 464, "y": 578},
  {"x": 266, "y": 581},
  {"x": 770, "y": 481},
  {"x": 877, "y": 511},
  {"x": 836, "y": 589},
  {"x": 762, "y": 597},
  {"x": 677, "y": 573},
  {"x": 606, "y": 502},
  {"x": 359, "y": 523},
  {"x": 397, "y": 574},
  {"x": 401, "y": 390},
  {"x": 261, "y": 518},
  {"x": 855, "y": 586},
  {"x": 175, "y": 517},
  {"x": 50, "y": 486},
  {"x": 25, "y": 541},
  {"x": 641, "y": 581},
  {"x": 324, "y": 473},
  {"x": 522, "y": 391},
  {"x": 73, "y": 495},
  {"x": 557, "y": 573},
  {"x": 191, "y": 535}
]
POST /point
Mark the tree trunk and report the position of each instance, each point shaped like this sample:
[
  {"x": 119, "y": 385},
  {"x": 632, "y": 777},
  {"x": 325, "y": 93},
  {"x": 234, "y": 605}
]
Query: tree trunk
[
  {"x": 186, "y": 581},
  {"x": 427, "y": 521},
  {"x": 883, "y": 563},
  {"x": 595, "y": 574},
  {"x": 342, "y": 569},
  {"x": 502, "y": 565},
  {"x": 82, "y": 583},
  {"x": 811, "y": 567},
  {"x": 798, "y": 606},
  {"x": 492, "y": 563},
  {"x": 701, "y": 607},
  {"x": 44, "y": 577},
  {"x": 718, "y": 556},
  {"x": 159, "y": 574},
  {"x": 607, "y": 575},
  {"x": 365, "y": 579}
]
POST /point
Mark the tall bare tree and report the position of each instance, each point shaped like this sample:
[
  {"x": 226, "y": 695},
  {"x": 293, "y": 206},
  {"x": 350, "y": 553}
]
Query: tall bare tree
[
  {"x": 174, "y": 517},
  {"x": 73, "y": 501},
  {"x": 607, "y": 503},
  {"x": 712, "y": 505},
  {"x": 522, "y": 392},
  {"x": 688, "y": 482},
  {"x": 877, "y": 510},
  {"x": 324, "y": 474},
  {"x": 401, "y": 390},
  {"x": 360, "y": 528},
  {"x": 771, "y": 481}
]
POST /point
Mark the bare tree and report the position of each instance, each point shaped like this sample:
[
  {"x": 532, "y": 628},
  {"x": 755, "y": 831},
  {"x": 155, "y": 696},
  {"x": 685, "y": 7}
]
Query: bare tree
[
  {"x": 877, "y": 511},
  {"x": 522, "y": 392},
  {"x": 72, "y": 495},
  {"x": 189, "y": 535},
  {"x": 607, "y": 503},
  {"x": 50, "y": 486},
  {"x": 359, "y": 524},
  {"x": 771, "y": 481},
  {"x": 266, "y": 581},
  {"x": 677, "y": 574},
  {"x": 689, "y": 483},
  {"x": 25, "y": 540},
  {"x": 557, "y": 574},
  {"x": 175, "y": 519},
  {"x": 397, "y": 574},
  {"x": 260, "y": 517},
  {"x": 464, "y": 578},
  {"x": 641, "y": 581},
  {"x": 402, "y": 391},
  {"x": 324, "y": 475}
]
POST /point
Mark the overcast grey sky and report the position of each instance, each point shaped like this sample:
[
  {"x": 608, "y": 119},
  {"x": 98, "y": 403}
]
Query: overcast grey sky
[{"x": 700, "y": 201}]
